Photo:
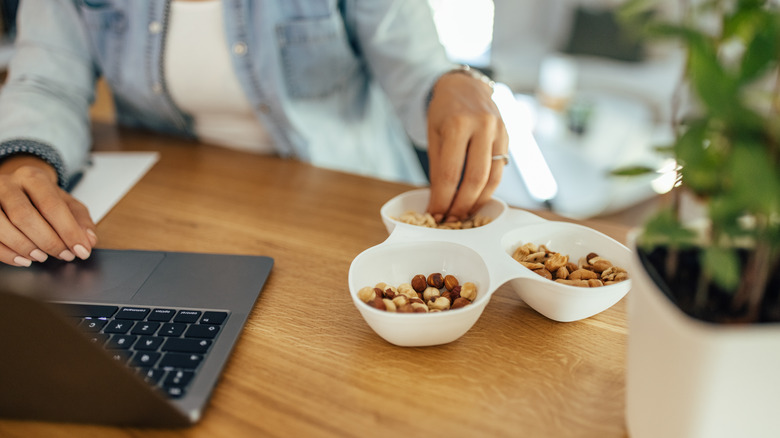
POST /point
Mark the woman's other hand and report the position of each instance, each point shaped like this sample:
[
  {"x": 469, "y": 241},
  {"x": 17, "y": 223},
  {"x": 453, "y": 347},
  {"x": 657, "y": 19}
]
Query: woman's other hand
[
  {"x": 465, "y": 132},
  {"x": 37, "y": 218}
]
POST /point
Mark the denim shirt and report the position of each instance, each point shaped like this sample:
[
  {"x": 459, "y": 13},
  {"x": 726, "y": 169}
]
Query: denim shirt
[{"x": 338, "y": 83}]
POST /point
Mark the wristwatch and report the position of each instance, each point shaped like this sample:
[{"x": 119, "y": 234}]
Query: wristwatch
[
  {"x": 474, "y": 73},
  {"x": 463, "y": 69}
]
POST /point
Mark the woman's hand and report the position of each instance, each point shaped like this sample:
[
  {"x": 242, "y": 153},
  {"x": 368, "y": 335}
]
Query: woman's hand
[
  {"x": 465, "y": 132},
  {"x": 37, "y": 218}
]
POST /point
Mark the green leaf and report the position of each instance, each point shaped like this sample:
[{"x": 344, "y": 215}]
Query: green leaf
[
  {"x": 723, "y": 265},
  {"x": 754, "y": 177},
  {"x": 700, "y": 165},
  {"x": 762, "y": 47},
  {"x": 665, "y": 229},
  {"x": 632, "y": 171}
]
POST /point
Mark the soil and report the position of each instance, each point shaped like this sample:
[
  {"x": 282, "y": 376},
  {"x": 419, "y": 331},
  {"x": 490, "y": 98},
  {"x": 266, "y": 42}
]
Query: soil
[{"x": 681, "y": 285}]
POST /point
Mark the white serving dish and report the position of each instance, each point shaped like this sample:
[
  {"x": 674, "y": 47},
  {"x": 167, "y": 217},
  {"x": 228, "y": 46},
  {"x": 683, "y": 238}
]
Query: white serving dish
[{"x": 482, "y": 256}]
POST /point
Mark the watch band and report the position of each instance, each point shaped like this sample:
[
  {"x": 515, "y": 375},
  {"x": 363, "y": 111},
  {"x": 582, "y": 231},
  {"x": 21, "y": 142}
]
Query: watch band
[{"x": 463, "y": 69}]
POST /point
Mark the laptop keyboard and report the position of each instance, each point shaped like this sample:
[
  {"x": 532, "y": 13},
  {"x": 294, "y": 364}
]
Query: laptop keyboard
[{"x": 166, "y": 346}]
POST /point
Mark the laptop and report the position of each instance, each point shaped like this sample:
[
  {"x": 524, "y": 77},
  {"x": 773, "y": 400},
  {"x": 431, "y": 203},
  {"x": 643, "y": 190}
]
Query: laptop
[{"x": 132, "y": 338}]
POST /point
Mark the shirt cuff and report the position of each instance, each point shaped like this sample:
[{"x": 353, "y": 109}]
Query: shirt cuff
[{"x": 43, "y": 151}]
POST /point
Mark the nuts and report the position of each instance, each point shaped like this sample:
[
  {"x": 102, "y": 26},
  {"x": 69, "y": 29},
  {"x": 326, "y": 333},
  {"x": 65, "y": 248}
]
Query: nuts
[
  {"x": 450, "y": 281},
  {"x": 419, "y": 283},
  {"x": 436, "y": 280},
  {"x": 426, "y": 220},
  {"x": 591, "y": 270},
  {"x": 444, "y": 293}
]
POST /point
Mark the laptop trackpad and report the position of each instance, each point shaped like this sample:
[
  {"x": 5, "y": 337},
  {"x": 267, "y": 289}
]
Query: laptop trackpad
[{"x": 107, "y": 276}]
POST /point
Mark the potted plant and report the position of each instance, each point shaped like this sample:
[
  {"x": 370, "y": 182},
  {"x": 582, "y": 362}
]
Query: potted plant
[{"x": 704, "y": 310}]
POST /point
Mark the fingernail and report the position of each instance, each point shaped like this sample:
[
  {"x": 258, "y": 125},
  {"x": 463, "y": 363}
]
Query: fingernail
[
  {"x": 21, "y": 261},
  {"x": 92, "y": 237},
  {"x": 39, "y": 255},
  {"x": 451, "y": 219},
  {"x": 67, "y": 256},
  {"x": 438, "y": 217},
  {"x": 81, "y": 252}
]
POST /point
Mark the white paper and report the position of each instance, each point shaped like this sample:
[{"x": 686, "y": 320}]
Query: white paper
[{"x": 109, "y": 178}]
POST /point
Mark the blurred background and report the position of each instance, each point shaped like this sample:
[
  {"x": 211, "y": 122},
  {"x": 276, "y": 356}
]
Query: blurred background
[{"x": 580, "y": 95}]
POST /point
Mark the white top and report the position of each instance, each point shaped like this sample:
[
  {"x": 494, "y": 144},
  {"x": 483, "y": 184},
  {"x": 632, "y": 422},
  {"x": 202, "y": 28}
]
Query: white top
[{"x": 201, "y": 81}]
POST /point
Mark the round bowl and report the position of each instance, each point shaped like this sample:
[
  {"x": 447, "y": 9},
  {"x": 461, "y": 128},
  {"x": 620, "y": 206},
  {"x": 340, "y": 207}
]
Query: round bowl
[
  {"x": 417, "y": 201},
  {"x": 395, "y": 263}
]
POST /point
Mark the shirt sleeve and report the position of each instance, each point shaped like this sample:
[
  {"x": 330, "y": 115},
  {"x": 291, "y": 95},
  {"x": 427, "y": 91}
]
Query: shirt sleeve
[
  {"x": 44, "y": 105},
  {"x": 399, "y": 42}
]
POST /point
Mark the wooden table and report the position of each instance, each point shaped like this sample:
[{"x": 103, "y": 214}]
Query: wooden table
[{"x": 307, "y": 364}]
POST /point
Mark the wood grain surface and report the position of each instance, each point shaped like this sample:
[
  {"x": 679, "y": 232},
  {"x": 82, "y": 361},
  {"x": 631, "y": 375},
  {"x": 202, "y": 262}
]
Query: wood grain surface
[{"x": 307, "y": 364}]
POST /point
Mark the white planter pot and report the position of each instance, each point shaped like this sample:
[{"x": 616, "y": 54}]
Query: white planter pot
[{"x": 687, "y": 378}]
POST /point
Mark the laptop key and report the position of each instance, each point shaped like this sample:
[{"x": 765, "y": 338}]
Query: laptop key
[
  {"x": 145, "y": 328},
  {"x": 207, "y": 331},
  {"x": 178, "y": 378},
  {"x": 121, "y": 356},
  {"x": 187, "y": 316},
  {"x": 92, "y": 325},
  {"x": 172, "y": 329},
  {"x": 148, "y": 343},
  {"x": 132, "y": 313},
  {"x": 180, "y": 361},
  {"x": 213, "y": 317},
  {"x": 121, "y": 342},
  {"x": 181, "y": 345},
  {"x": 146, "y": 358},
  {"x": 152, "y": 376},
  {"x": 161, "y": 315},
  {"x": 118, "y": 326},
  {"x": 97, "y": 338}
]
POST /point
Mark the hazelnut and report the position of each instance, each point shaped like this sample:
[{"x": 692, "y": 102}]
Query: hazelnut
[
  {"x": 389, "y": 305},
  {"x": 447, "y": 294},
  {"x": 378, "y": 303},
  {"x": 431, "y": 293},
  {"x": 382, "y": 286},
  {"x": 460, "y": 302},
  {"x": 468, "y": 291},
  {"x": 400, "y": 300},
  {"x": 436, "y": 280},
  {"x": 450, "y": 281},
  {"x": 407, "y": 290},
  {"x": 406, "y": 308},
  {"x": 419, "y": 307},
  {"x": 389, "y": 293},
  {"x": 454, "y": 294},
  {"x": 441, "y": 303},
  {"x": 366, "y": 294},
  {"x": 419, "y": 283}
]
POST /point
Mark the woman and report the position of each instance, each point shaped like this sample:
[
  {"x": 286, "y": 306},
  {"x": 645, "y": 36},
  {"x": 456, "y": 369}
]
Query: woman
[{"x": 341, "y": 84}]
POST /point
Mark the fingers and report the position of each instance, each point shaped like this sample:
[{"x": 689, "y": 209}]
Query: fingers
[
  {"x": 447, "y": 154},
  {"x": 38, "y": 219},
  {"x": 496, "y": 171}
]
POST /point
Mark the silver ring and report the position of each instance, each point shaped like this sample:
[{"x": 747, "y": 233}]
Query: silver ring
[{"x": 504, "y": 157}]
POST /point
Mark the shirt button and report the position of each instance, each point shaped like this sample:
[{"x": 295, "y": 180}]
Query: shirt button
[
  {"x": 155, "y": 27},
  {"x": 157, "y": 88},
  {"x": 239, "y": 48}
]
